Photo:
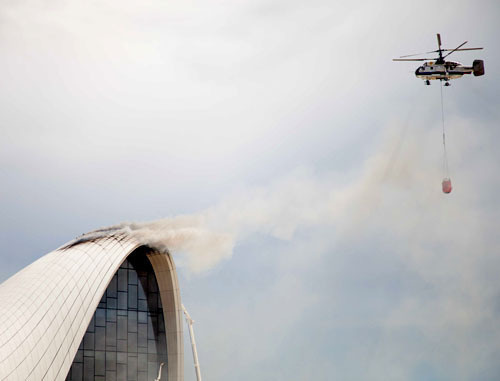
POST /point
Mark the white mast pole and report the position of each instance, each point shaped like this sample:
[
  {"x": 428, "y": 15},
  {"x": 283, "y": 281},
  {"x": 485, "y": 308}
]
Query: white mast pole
[
  {"x": 159, "y": 372},
  {"x": 190, "y": 322}
]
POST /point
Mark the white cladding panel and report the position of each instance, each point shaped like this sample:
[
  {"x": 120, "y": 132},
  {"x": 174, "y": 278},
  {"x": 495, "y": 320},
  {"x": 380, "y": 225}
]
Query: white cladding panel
[{"x": 46, "y": 307}]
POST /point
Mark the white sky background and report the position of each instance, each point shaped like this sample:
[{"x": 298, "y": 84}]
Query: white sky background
[{"x": 290, "y": 124}]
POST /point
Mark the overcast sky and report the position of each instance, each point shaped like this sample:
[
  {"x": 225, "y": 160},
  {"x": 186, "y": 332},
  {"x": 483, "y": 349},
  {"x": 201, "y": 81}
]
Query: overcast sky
[{"x": 287, "y": 123}]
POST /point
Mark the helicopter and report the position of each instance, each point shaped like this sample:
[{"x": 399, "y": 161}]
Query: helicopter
[{"x": 439, "y": 68}]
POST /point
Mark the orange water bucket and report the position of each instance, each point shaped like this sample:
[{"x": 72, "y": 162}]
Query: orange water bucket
[{"x": 446, "y": 185}]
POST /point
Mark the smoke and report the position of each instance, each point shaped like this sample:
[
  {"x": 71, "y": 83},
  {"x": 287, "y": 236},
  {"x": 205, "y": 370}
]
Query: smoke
[
  {"x": 300, "y": 201},
  {"x": 186, "y": 236}
]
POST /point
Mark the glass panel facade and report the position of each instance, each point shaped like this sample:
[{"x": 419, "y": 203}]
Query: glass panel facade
[{"x": 126, "y": 338}]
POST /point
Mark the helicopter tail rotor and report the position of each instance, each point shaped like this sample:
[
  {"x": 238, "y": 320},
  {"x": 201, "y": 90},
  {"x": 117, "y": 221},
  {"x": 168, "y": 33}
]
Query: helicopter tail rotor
[{"x": 478, "y": 67}]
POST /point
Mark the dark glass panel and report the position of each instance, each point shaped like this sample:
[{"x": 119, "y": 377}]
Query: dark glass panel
[
  {"x": 111, "y": 336},
  {"x": 112, "y": 287},
  {"x": 142, "y": 337},
  {"x": 111, "y": 360},
  {"x": 153, "y": 370},
  {"x": 100, "y": 363},
  {"x": 132, "y": 297},
  {"x": 88, "y": 353},
  {"x": 122, "y": 327},
  {"x": 151, "y": 346},
  {"x": 152, "y": 357},
  {"x": 152, "y": 327},
  {"x": 143, "y": 287},
  {"x": 112, "y": 303},
  {"x": 142, "y": 317},
  {"x": 100, "y": 338},
  {"x": 77, "y": 372},
  {"x": 88, "y": 369},
  {"x": 122, "y": 279},
  {"x": 121, "y": 346},
  {"x": 142, "y": 305},
  {"x": 122, "y": 300},
  {"x": 132, "y": 321},
  {"x": 111, "y": 315},
  {"x": 132, "y": 368},
  {"x": 100, "y": 317},
  {"x": 142, "y": 360},
  {"x": 121, "y": 372},
  {"x": 121, "y": 357},
  {"x": 132, "y": 342},
  {"x": 132, "y": 277},
  {"x": 88, "y": 341}
]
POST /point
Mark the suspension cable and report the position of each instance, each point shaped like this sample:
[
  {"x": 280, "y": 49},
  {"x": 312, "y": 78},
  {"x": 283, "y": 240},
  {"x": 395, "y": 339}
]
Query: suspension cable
[{"x": 445, "y": 156}]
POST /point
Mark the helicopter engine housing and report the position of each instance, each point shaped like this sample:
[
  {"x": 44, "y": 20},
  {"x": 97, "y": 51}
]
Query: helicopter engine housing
[{"x": 478, "y": 67}]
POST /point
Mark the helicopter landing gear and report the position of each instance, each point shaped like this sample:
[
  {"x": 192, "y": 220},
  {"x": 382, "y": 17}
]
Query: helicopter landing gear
[
  {"x": 428, "y": 83},
  {"x": 447, "y": 84}
]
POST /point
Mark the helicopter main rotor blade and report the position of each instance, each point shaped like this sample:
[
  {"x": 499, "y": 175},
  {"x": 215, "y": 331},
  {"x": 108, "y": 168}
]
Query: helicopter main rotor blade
[
  {"x": 459, "y": 50},
  {"x": 412, "y": 59},
  {"x": 418, "y": 54},
  {"x": 454, "y": 50},
  {"x": 443, "y": 50},
  {"x": 439, "y": 41}
]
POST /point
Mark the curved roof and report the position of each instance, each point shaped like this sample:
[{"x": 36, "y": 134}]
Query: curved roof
[{"x": 46, "y": 307}]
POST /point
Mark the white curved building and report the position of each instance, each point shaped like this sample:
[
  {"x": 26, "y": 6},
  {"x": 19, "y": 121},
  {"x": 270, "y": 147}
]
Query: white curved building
[{"x": 99, "y": 308}]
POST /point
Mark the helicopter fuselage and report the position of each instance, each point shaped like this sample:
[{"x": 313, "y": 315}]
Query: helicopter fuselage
[{"x": 432, "y": 70}]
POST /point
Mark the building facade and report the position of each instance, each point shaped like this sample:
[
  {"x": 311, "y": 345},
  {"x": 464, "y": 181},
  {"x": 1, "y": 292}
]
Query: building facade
[{"x": 99, "y": 308}]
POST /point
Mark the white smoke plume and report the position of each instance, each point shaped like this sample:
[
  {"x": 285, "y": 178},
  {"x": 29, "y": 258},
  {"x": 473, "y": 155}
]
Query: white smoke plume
[
  {"x": 188, "y": 236},
  {"x": 301, "y": 200}
]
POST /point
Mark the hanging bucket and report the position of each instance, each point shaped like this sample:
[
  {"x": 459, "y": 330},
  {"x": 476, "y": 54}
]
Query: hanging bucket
[{"x": 446, "y": 185}]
